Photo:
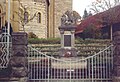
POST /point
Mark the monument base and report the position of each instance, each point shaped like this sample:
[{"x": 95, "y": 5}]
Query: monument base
[{"x": 66, "y": 52}]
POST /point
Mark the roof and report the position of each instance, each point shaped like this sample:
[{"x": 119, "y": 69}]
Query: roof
[{"x": 98, "y": 20}]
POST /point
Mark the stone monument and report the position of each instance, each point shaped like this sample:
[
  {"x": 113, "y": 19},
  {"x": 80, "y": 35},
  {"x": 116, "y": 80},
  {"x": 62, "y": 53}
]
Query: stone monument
[{"x": 67, "y": 30}]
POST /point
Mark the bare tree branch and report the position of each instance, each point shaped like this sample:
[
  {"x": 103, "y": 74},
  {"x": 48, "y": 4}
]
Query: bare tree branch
[
  {"x": 22, "y": 17},
  {"x": 31, "y": 18},
  {"x": 103, "y": 5}
]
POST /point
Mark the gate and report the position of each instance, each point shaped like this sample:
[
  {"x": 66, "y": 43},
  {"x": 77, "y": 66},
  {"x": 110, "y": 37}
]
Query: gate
[
  {"x": 5, "y": 49},
  {"x": 96, "y": 68}
]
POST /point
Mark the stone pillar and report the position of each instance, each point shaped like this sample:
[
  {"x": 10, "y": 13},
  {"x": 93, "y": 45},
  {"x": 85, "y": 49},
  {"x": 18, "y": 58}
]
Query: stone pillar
[
  {"x": 18, "y": 61},
  {"x": 62, "y": 38},
  {"x": 73, "y": 38},
  {"x": 116, "y": 57}
]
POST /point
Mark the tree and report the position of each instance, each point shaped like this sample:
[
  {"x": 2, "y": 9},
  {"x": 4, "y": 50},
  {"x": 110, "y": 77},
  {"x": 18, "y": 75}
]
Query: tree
[
  {"x": 103, "y": 5},
  {"x": 90, "y": 13},
  {"x": 91, "y": 32},
  {"x": 76, "y": 16},
  {"x": 85, "y": 14},
  {"x": 23, "y": 15},
  {"x": 109, "y": 16}
]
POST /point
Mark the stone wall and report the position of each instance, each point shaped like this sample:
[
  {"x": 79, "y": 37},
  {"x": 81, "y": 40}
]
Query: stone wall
[
  {"x": 18, "y": 61},
  {"x": 57, "y": 9},
  {"x": 2, "y": 9},
  {"x": 60, "y": 8},
  {"x": 39, "y": 29},
  {"x": 49, "y": 25},
  {"x": 34, "y": 6},
  {"x": 17, "y": 70}
]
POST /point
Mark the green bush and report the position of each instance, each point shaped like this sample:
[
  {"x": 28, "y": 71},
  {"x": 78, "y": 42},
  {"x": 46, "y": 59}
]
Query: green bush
[
  {"x": 44, "y": 41},
  {"x": 89, "y": 41},
  {"x": 77, "y": 41}
]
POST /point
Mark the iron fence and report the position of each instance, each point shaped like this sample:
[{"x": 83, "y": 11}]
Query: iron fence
[
  {"x": 5, "y": 50},
  {"x": 96, "y": 68}
]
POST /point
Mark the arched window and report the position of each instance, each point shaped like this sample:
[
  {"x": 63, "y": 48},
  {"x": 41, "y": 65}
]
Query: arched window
[
  {"x": 25, "y": 16},
  {"x": 39, "y": 17}
]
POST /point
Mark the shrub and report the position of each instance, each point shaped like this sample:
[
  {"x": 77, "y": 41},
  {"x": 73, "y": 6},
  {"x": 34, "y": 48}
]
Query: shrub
[
  {"x": 44, "y": 41},
  {"x": 32, "y": 35}
]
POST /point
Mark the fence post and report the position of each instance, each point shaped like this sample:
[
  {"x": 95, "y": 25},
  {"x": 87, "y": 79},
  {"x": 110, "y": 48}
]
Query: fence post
[
  {"x": 48, "y": 69},
  {"x": 18, "y": 61},
  {"x": 116, "y": 57}
]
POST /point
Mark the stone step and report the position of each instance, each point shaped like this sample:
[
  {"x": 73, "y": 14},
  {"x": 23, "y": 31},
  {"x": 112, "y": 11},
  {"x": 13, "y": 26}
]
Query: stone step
[
  {"x": 7, "y": 79},
  {"x": 4, "y": 79}
]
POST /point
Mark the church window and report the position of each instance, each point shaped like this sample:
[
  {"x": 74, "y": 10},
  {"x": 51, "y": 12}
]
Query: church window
[
  {"x": 25, "y": 16},
  {"x": 39, "y": 17}
]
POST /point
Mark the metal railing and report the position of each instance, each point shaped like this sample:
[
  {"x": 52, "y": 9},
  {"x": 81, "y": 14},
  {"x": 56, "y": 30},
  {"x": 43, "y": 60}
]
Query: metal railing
[
  {"x": 5, "y": 50},
  {"x": 96, "y": 68}
]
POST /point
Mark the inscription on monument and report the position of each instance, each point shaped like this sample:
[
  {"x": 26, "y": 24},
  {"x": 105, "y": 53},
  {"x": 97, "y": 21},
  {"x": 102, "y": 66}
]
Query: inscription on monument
[{"x": 67, "y": 40}]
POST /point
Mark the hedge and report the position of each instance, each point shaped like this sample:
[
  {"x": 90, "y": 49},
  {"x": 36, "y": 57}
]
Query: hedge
[
  {"x": 44, "y": 41},
  {"x": 57, "y": 41}
]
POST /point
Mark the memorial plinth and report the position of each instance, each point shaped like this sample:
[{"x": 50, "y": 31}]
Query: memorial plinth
[
  {"x": 67, "y": 41},
  {"x": 67, "y": 30}
]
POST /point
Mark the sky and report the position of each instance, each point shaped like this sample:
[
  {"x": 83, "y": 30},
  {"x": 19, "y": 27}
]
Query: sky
[{"x": 80, "y": 5}]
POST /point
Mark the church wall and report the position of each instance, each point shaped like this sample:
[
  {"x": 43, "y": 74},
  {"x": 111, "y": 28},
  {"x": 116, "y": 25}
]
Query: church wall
[
  {"x": 60, "y": 8},
  {"x": 15, "y": 17},
  {"x": 39, "y": 29},
  {"x": 56, "y": 9},
  {"x": 42, "y": 30},
  {"x": 3, "y": 10}
]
